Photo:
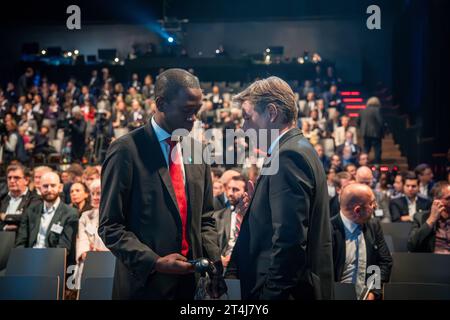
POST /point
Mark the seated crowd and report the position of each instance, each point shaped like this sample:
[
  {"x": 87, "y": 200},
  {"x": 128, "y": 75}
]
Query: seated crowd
[{"x": 56, "y": 204}]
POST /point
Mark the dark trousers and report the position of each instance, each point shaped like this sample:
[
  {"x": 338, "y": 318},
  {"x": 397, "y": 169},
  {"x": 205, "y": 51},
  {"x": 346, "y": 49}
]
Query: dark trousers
[{"x": 370, "y": 142}]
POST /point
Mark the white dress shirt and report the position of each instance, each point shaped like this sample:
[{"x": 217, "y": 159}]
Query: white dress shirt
[
  {"x": 412, "y": 207},
  {"x": 46, "y": 219},
  {"x": 14, "y": 203},
  {"x": 162, "y": 136},
  {"x": 350, "y": 257}
]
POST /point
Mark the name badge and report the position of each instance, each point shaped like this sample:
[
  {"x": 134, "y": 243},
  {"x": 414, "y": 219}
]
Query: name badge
[
  {"x": 57, "y": 228},
  {"x": 378, "y": 213}
]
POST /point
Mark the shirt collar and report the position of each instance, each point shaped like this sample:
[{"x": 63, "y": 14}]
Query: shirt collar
[
  {"x": 161, "y": 134},
  {"x": 53, "y": 207},
  {"x": 21, "y": 195},
  {"x": 348, "y": 224},
  {"x": 275, "y": 142},
  {"x": 410, "y": 202}
]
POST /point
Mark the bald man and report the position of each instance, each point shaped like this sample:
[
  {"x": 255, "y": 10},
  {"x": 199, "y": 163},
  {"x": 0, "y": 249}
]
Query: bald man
[
  {"x": 364, "y": 175},
  {"x": 51, "y": 223},
  {"x": 358, "y": 240}
]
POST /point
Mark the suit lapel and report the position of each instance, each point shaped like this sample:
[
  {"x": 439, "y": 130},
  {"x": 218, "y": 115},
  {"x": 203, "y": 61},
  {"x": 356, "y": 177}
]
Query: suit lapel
[
  {"x": 56, "y": 218},
  {"x": 162, "y": 169},
  {"x": 341, "y": 247},
  {"x": 227, "y": 223},
  {"x": 369, "y": 242},
  {"x": 289, "y": 134},
  {"x": 37, "y": 221}
]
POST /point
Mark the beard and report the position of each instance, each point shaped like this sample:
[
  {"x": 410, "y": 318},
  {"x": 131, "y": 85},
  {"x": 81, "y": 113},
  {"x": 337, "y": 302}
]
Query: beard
[{"x": 50, "y": 197}]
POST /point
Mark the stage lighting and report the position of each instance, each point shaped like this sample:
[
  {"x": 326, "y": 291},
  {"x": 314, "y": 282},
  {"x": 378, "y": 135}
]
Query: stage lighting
[
  {"x": 170, "y": 39},
  {"x": 268, "y": 50},
  {"x": 69, "y": 53},
  {"x": 217, "y": 51},
  {"x": 116, "y": 60},
  {"x": 301, "y": 60},
  {"x": 43, "y": 52},
  {"x": 76, "y": 52}
]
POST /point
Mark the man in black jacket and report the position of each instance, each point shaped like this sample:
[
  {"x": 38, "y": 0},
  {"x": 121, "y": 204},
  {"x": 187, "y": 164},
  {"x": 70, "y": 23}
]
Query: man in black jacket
[
  {"x": 284, "y": 246},
  {"x": 431, "y": 229},
  {"x": 404, "y": 208},
  {"x": 156, "y": 211},
  {"x": 18, "y": 199},
  {"x": 51, "y": 223},
  {"x": 358, "y": 240},
  {"x": 370, "y": 124}
]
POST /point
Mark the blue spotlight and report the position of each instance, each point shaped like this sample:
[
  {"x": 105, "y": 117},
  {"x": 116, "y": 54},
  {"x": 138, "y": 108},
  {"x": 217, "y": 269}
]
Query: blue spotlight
[{"x": 170, "y": 39}]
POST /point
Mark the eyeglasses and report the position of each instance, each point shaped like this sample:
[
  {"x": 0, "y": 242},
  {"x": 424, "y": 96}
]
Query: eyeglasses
[{"x": 14, "y": 178}]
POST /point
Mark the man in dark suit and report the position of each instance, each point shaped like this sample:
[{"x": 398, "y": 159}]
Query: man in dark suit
[
  {"x": 19, "y": 197},
  {"x": 370, "y": 124},
  {"x": 340, "y": 181},
  {"x": 431, "y": 229},
  {"x": 358, "y": 240},
  {"x": 229, "y": 219},
  {"x": 354, "y": 148},
  {"x": 404, "y": 208},
  {"x": 51, "y": 223},
  {"x": 284, "y": 246},
  {"x": 156, "y": 211},
  {"x": 221, "y": 201}
]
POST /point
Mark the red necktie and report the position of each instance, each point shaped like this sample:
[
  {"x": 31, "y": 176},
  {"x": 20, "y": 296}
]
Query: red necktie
[{"x": 176, "y": 175}]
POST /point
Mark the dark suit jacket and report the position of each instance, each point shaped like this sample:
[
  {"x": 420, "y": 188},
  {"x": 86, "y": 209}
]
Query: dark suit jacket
[
  {"x": 65, "y": 215},
  {"x": 284, "y": 247},
  {"x": 376, "y": 249},
  {"x": 334, "y": 206},
  {"x": 223, "y": 224},
  {"x": 399, "y": 207},
  {"x": 139, "y": 216},
  {"x": 29, "y": 199},
  {"x": 340, "y": 149},
  {"x": 219, "y": 202},
  {"x": 370, "y": 122},
  {"x": 422, "y": 238}
]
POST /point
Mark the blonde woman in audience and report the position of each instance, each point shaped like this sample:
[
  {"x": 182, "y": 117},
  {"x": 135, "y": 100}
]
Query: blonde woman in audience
[{"x": 88, "y": 238}]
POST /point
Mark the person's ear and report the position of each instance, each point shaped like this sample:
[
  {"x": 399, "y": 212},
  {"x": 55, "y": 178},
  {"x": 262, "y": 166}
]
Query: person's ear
[
  {"x": 272, "y": 111},
  {"x": 60, "y": 188},
  {"x": 160, "y": 104},
  {"x": 357, "y": 211}
]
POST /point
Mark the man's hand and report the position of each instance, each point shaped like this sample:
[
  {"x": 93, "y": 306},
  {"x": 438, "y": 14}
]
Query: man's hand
[
  {"x": 435, "y": 213},
  {"x": 10, "y": 227},
  {"x": 371, "y": 296},
  {"x": 244, "y": 202},
  {"x": 174, "y": 263},
  {"x": 406, "y": 218},
  {"x": 225, "y": 260}
]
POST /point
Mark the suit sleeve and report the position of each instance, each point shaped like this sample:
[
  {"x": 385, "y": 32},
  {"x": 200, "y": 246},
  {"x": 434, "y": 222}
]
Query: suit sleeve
[
  {"x": 209, "y": 231},
  {"x": 116, "y": 180},
  {"x": 395, "y": 210},
  {"x": 419, "y": 234},
  {"x": 290, "y": 192},
  {"x": 67, "y": 238},
  {"x": 22, "y": 234}
]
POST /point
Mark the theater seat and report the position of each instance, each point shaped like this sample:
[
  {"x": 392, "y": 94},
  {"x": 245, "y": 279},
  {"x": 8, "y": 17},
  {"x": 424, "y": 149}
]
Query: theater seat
[
  {"x": 96, "y": 289},
  {"x": 344, "y": 291},
  {"x": 399, "y": 232},
  {"x": 7, "y": 240},
  {"x": 29, "y": 288},
  {"x": 416, "y": 291},
  {"x": 98, "y": 276},
  {"x": 420, "y": 268},
  {"x": 31, "y": 262}
]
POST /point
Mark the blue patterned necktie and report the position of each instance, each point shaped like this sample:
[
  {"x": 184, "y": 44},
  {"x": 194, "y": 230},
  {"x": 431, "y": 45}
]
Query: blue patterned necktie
[{"x": 354, "y": 236}]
